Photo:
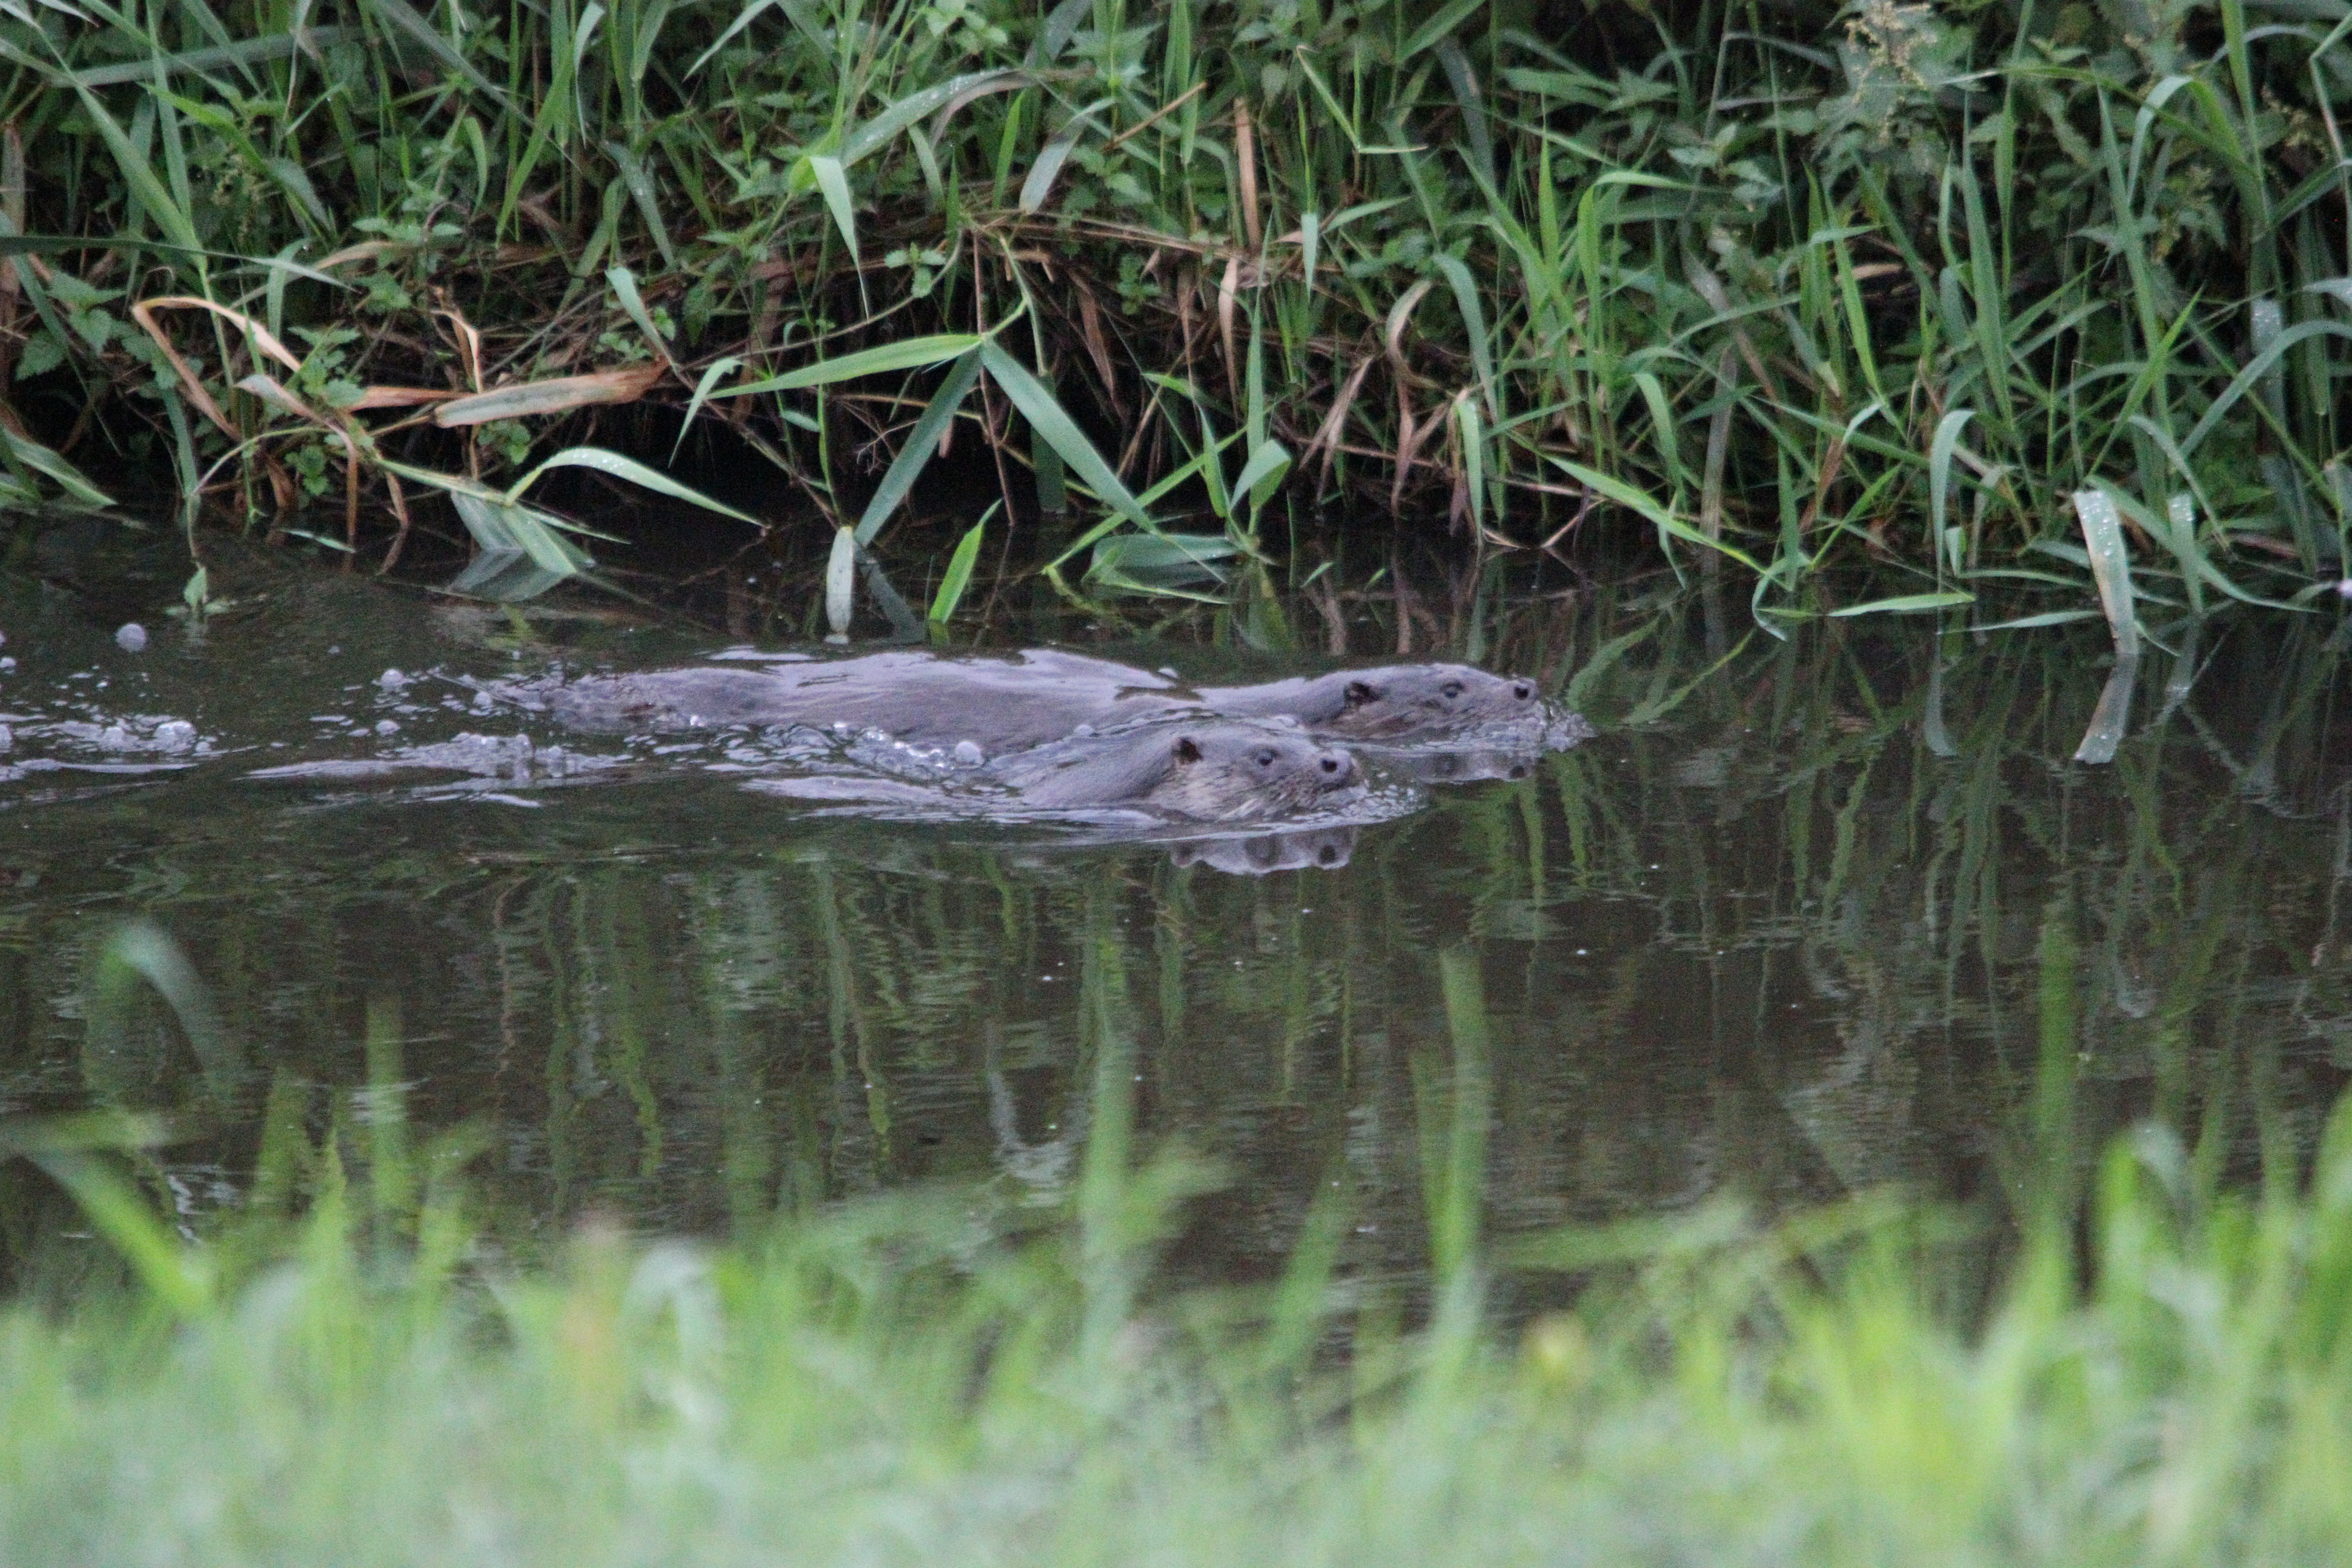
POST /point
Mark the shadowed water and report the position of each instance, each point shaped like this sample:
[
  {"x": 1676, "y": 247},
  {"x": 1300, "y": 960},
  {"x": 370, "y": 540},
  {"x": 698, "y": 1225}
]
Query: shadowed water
[{"x": 1797, "y": 924}]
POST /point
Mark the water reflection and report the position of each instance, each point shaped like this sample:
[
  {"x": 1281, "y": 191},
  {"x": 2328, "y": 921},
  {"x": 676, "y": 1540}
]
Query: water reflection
[{"x": 1798, "y": 927}]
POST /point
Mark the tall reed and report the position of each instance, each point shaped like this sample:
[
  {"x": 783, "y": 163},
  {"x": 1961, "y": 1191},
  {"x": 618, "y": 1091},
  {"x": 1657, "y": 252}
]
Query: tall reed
[{"x": 1853, "y": 298}]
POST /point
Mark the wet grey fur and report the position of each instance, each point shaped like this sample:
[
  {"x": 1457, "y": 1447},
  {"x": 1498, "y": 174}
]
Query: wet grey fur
[
  {"x": 1027, "y": 699},
  {"x": 1215, "y": 770}
]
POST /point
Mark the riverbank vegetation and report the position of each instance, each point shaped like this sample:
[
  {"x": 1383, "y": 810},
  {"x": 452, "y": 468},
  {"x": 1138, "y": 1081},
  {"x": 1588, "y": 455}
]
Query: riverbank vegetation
[
  {"x": 1929, "y": 301},
  {"x": 348, "y": 1369}
]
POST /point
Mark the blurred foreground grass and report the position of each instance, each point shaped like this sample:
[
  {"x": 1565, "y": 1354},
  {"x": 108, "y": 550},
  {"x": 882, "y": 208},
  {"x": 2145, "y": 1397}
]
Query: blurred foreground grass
[{"x": 347, "y": 1371}]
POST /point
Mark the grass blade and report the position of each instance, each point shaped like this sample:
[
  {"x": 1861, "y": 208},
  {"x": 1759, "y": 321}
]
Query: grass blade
[
  {"x": 840, "y": 582},
  {"x": 907, "y": 354},
  {"x": 556, "y": 397},
  {"x": 958, "y": 577},
  {"x": 1061, "y": 432},
  {"x": 921, "y": 443},
  {"x": 628, "y": 469}
]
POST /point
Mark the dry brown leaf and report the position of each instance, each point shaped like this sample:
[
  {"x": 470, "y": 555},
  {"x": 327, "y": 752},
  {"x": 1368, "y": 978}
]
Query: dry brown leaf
[
  {"x": 1246, "y": 154},
  {"x": 366, "y": 250},
  {"x": 403, "y": 398},
  {"x": 556, "y": 397},
  {"x": 1226, "y": 289},
  {"x": 1400, "y": 314},
  {"x": 1099, "y": 347}
]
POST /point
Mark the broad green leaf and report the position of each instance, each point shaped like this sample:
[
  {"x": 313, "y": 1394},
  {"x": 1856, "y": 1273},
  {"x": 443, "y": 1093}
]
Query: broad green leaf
[
  {"x": 725, "y": 366},
  {"x": 1626, "y": 496},
  {"x": 1905, "y": 605},
  {"x": 1051, "y": 157},
  {"x": 1165, "y": 551},
  {"x": 2257, "y": 369},
  {"x": 1166, "y": 563},
  {"x": 1263, "y": 474},
  {"x": 2046, "y": 619},
  {"x": 840, "y": 581},
  {"x": 2103, "y": 538},
  {"x": 744, "y": 19},
  {"x": 628, "y": 469},
  {"x": 642, "y": 192},
  {"x": 1062, "y": 433},
  {"x": 1473, "y": 456},
  {"x": 834, "y": 183},
  {"x": 1940, "y": 471},
  {"x": 67, "y": 478},
  {"x": 509, "y": 526},
  {"x": 249, "y": 51},
  {"x": 1439, "y": 26},
  {"x": 1061, "y": 26},
  {"x": 876, "y": 131},
  {"x": 958, "y": 577},
  {"x": 907, "y": 354},
  {"x": 624, "y": 285},
  {"x": 920, "y": 445},
  {"x": 404, "y": 16},
  {"x": 177, "y": 224}
]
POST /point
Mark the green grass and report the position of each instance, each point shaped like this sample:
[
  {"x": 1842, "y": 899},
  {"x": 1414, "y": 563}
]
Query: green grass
[
  {"x": 1858, "y": 295},
  {"x": 909, "y": 1380}
]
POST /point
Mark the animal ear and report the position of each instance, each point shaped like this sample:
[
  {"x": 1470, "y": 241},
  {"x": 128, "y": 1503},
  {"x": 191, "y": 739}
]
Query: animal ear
[
  {"x": 1359, "y": 693},
  {"x": 1185, "y": 750}
]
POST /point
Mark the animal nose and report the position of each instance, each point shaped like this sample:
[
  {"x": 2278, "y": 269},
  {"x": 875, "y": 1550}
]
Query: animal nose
[
  {"x": 1337, "y": 767},
  {"x": 1522, "y": 690}
]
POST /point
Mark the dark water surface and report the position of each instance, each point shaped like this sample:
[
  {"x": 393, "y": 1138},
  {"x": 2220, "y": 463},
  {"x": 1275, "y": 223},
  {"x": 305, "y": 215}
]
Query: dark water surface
[{"x": 1759, "y": 937}]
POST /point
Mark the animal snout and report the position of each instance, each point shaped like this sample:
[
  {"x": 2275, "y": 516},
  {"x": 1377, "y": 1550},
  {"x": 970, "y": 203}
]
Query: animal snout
[{"x": 1337, "y": 768}]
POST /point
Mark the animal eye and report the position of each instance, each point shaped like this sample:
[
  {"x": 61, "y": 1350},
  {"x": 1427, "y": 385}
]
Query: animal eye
[
  {"x": 1265, "y": 758},
  {"x": 1451, "y": 689}
]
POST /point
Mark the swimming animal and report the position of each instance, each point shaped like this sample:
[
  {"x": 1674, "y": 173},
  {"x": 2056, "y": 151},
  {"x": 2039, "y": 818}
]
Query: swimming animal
[
  {"x": 1216, "y": 769},
  {"x": 1010, "y": 703}
]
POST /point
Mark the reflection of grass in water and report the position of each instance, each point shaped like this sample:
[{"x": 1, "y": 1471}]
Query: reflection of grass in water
[
  {"x": 701, "y": 1039},
  {"x": 340, "y": 1379}
]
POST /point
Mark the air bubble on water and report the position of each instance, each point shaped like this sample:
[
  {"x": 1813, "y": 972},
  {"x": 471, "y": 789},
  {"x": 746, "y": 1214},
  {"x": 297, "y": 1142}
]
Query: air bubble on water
[
  {"x": 174, "y": 735},
  {"x": 386, "y": 727},
  {"x": 392, "y": 681},
  {"x": 968, "y": 754},
  {"x": 130, "y": 636}
]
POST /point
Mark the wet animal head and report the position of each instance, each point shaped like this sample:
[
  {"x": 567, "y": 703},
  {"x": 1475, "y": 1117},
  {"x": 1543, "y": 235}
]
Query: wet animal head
[
  {"x": 1226, "y": 773},
  {"x": 1420, "y": 699}
]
